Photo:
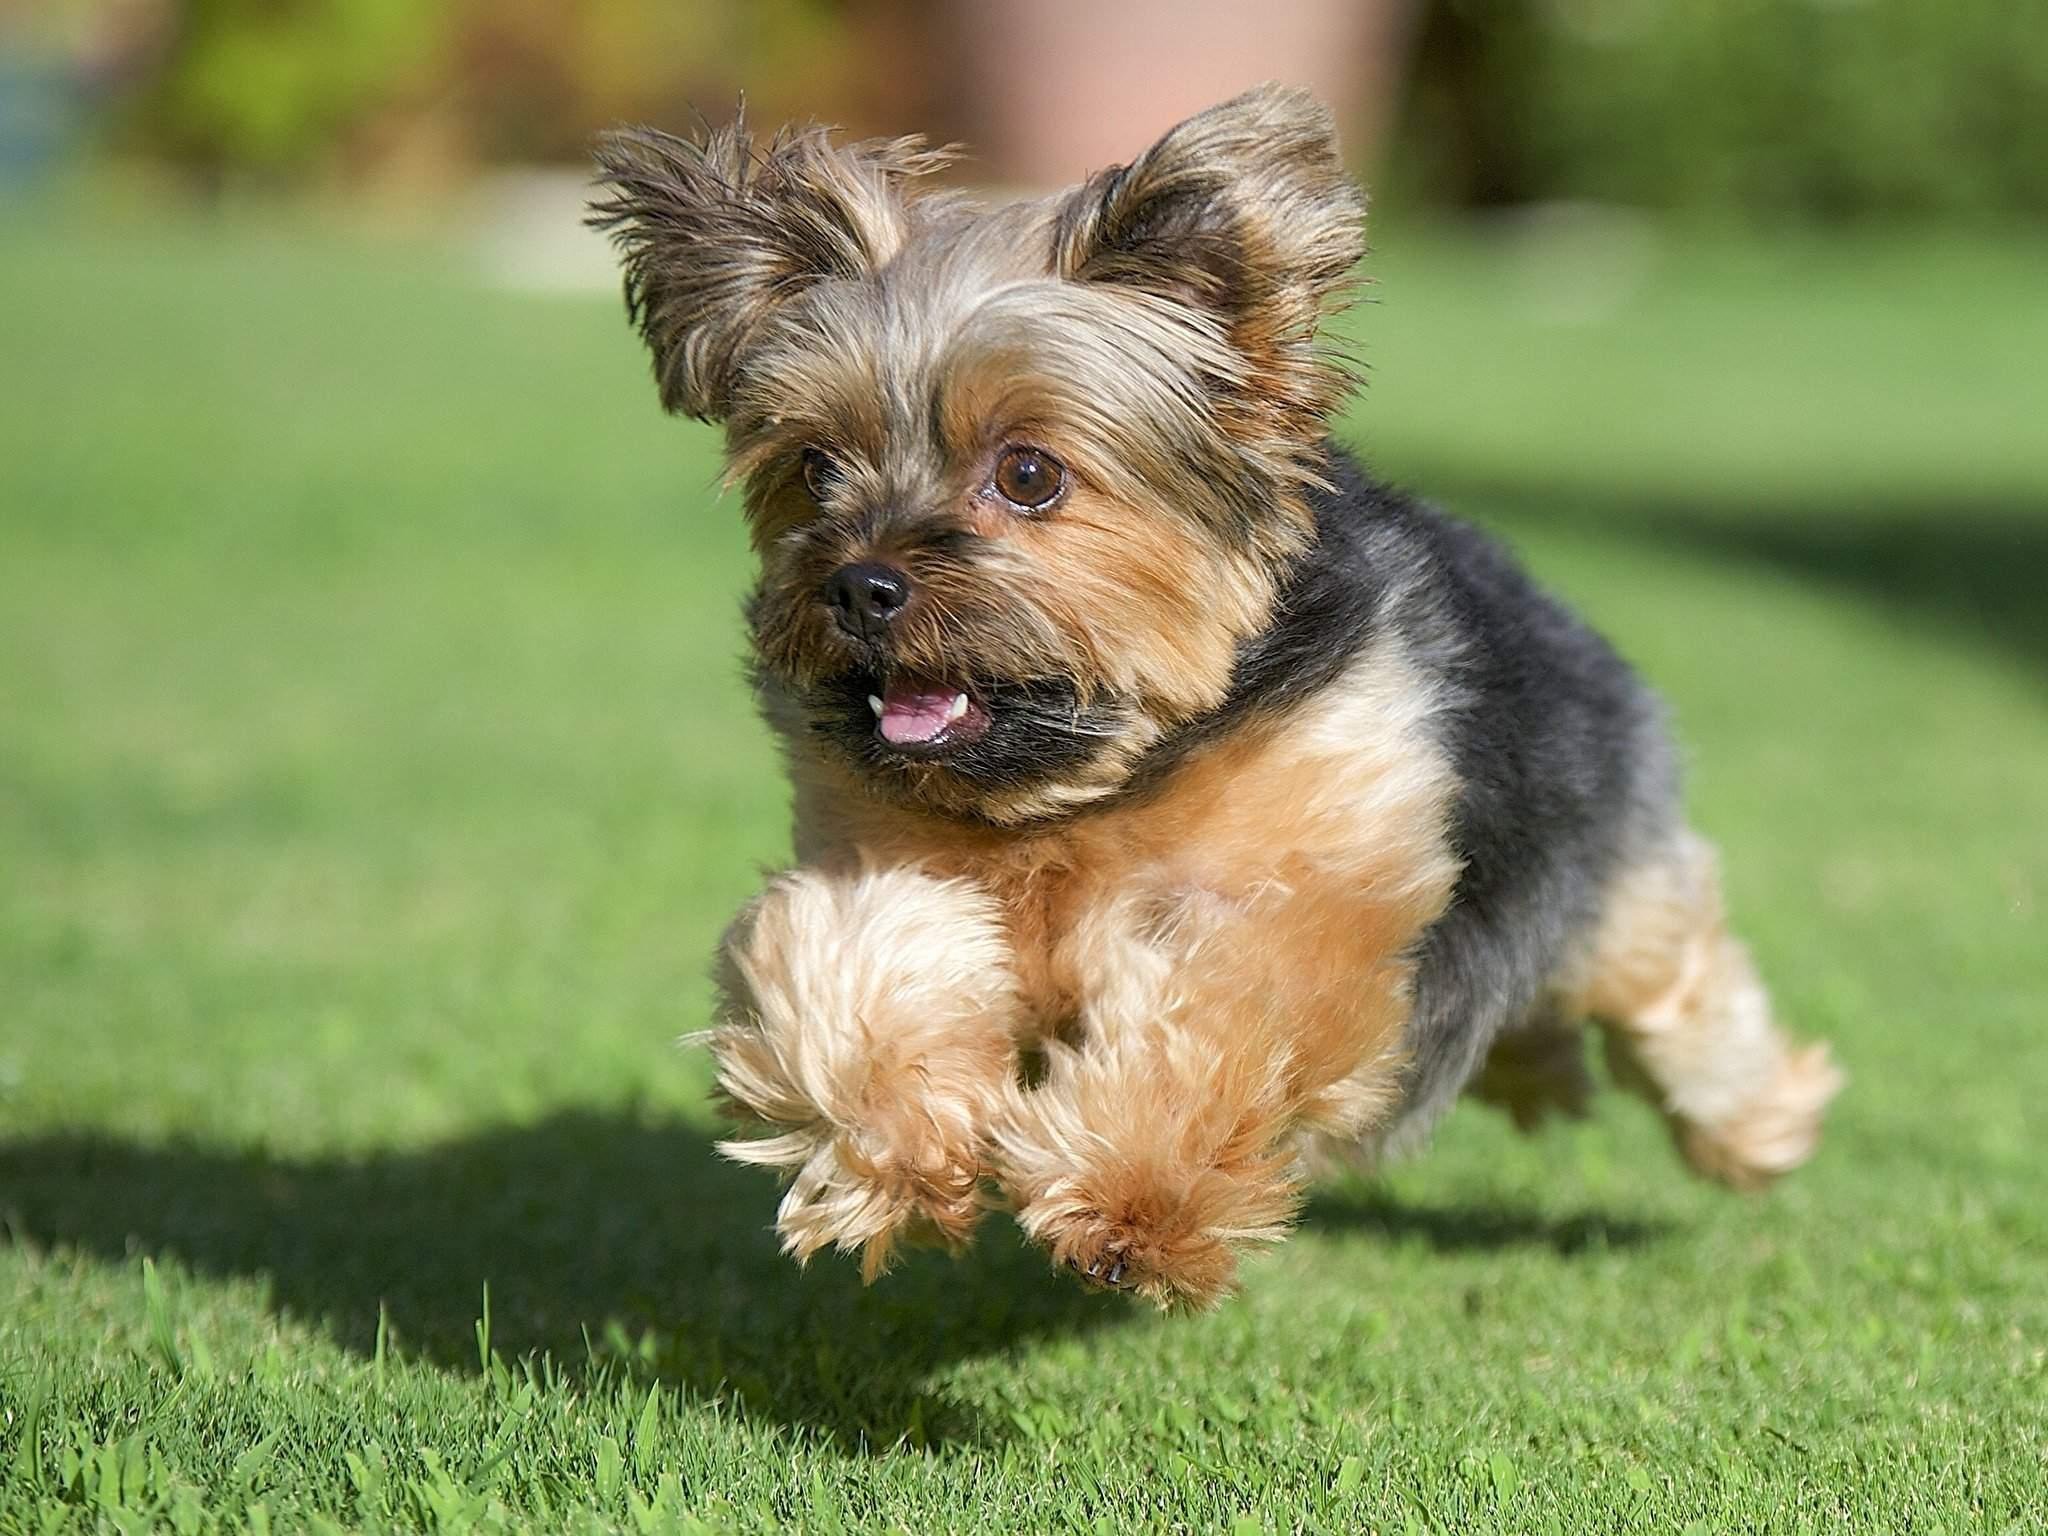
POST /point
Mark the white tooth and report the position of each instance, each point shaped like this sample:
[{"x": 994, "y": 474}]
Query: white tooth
[
  {"x": 875, "y": 702},
  {"x": 957, "y": 708}
]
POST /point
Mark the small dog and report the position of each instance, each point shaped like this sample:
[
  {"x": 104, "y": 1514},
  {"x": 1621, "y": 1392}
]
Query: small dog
[{"x": 1173, "y": 800}]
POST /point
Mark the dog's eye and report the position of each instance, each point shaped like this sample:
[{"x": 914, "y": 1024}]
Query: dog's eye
[
  {"x": 821, "y": 473},
  {"x": 1030, "y": 477}
]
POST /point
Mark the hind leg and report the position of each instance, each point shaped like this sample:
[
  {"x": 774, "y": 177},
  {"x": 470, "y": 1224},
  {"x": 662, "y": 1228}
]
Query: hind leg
[
  {"x": 1689, "y": 1025},
  {"x": 1537, "y": 1070}
]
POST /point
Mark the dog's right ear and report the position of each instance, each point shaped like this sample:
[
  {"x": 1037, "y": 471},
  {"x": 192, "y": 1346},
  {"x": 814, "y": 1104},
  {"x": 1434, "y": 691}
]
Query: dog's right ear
[{"x": 715, "y": 233}]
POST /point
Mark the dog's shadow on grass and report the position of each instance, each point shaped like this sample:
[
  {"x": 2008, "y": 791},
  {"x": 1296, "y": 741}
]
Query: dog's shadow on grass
[
  {"x": 607, "y": 1240},
  {"x": 1458, "y": 1229},
  {"x": 619, "y": 1242}
]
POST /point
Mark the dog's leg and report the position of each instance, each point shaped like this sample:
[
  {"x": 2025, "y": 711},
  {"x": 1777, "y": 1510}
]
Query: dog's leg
[
  {"x": 870, "y": 1021},
  {"x": 1212, "y": 1029},
  {"x": 1535, "y": 1070},
  {"x": 1689, "y": 1025}
]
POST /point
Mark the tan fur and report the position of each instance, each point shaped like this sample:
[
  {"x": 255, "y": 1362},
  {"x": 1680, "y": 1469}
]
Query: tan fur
[
  {"x": 1689, "y": 1024},
  {"x": 1131, "y": 600},
  {"x": 1158, "y": 330},
  {"x": 717, "y": 233},
  {"x": 871, "y": 1019},
  {"x": 1247, "y": 213},
  {"x": 1216, "y": 957},
  {"x": 1234, "y": 957}
]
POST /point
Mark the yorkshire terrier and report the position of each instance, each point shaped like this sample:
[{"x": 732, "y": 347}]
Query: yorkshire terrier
[{"x": 1173, "y": 800}]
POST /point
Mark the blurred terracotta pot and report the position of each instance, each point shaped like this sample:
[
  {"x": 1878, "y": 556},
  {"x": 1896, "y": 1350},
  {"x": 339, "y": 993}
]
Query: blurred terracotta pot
[{"x": 1053, "y": 89}]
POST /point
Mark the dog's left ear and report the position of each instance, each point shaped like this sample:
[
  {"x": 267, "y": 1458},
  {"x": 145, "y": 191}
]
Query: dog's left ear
[{"x": 1245, "y": 214}]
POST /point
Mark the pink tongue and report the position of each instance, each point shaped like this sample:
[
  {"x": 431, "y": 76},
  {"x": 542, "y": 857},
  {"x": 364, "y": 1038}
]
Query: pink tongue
[{"x": 915, "y": 714}]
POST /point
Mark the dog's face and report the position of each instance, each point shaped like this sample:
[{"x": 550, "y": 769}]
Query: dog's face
[{"x": 1021, "y": 479}]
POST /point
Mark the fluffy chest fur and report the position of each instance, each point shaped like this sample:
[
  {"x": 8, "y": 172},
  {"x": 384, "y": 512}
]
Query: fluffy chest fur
[{"x": 1348, "y": 792}]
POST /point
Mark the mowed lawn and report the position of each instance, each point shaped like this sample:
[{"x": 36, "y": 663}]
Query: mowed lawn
[{"x": 376, "y": 776}]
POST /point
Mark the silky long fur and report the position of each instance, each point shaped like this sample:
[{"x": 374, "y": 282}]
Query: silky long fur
[
  {"x": 715, "y": 233},
  {"x": 1282, "y": 808},
  {"x": 872, "y": 1022}
]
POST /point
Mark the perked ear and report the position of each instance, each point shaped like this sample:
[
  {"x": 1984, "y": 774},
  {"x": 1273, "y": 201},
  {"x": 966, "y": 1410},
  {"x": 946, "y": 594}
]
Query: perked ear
[
  {"x": 1243, "y": 212},
  {"x": 715, "y": 233}
]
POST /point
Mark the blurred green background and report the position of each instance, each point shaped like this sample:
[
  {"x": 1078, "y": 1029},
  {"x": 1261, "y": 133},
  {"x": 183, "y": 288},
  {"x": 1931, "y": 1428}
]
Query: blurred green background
[
  {"x": 1823, "y": 110},
  {"x": 376, "y": 775}
]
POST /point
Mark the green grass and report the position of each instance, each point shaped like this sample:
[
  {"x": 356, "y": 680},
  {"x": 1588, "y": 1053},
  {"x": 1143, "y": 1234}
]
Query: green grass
[{"x": 375, "y": 777}]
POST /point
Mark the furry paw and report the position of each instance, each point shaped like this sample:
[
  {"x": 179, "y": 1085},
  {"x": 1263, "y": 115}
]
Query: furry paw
[
  {"x": 1170, "y": 1235},
  {"x": 1150, "y": 1168},
  {"x": 869, "y": 1023},
  {"x": 852, "y": 1194},
  {"x": 1774, "y": 1132},
  {"x": 1170, "y": 1256}
]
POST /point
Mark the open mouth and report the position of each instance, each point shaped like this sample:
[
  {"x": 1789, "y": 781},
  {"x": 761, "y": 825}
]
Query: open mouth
[
  {"x": 922, "y": 717},
  {"x": 926, "y": 733}
]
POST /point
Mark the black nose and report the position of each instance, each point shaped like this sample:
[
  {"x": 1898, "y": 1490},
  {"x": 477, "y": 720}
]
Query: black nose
[{"x": 866, "y": 596}]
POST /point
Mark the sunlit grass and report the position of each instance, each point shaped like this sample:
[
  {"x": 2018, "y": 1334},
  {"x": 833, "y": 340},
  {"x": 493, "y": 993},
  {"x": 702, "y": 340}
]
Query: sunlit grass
[{"x": 375, "y": 776}]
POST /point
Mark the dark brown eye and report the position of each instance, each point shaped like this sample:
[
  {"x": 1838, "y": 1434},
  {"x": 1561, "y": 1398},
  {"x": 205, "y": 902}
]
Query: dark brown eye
[
  {"x": 1029, "y": 477},
  {"x": 820, "y": 473}
]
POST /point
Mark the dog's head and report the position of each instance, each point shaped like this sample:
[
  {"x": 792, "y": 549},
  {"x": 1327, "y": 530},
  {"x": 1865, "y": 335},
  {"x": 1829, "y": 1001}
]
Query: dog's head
[{"x": 1021, "y": 479}]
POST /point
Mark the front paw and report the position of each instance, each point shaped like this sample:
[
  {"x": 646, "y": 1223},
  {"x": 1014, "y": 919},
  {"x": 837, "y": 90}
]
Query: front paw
[
  {"x": 851, "y": 1194},
  {"x": 1109, "y": 1271},
  {"x": 869, "y": 1025},
  {"x": 1148, "y": 1174},
  {"x": 1170, "y": 1234}
]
